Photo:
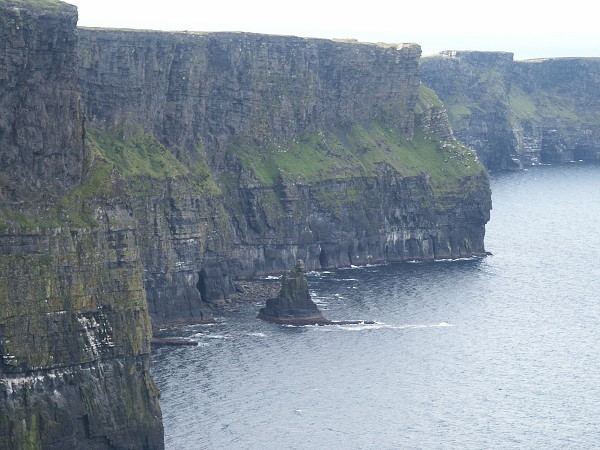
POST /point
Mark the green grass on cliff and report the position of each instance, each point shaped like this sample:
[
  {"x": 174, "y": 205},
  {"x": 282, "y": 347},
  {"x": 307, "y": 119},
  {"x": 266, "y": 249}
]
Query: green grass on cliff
[
  {"x": 427, "y": 98},
  {"x": 458, "y": 115},
  {"x": 136, "y": 154},
  {"x": 120, "y": 162},
  {"x": 541, "y": 105},
  {"x": 74, "y": 209},
  {"x": 361, "y": 150}
]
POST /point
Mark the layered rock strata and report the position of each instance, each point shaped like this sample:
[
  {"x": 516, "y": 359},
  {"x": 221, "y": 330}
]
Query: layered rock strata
[
  {"x": 74, "y": 325},
  {"x": 292, "y": 148},
  {"x": 515, "y": 113},
  {"x": 204, "y": 157}
]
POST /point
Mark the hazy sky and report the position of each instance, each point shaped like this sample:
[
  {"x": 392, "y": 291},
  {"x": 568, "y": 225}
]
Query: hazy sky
[{"x": 529, "y": 29}]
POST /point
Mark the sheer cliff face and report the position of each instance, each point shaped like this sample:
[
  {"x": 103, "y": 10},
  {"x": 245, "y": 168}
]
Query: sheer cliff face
[
  {"x": 191, "y": 89},
  {"x": 41, "y": 140},
  {"x": 519, "y": 112},
  {"x": 74, "y": 324},
  {"x": 75, "y": 342},
  {"x": 207, "y": 157},
  {"x": 293, "y": 149}
]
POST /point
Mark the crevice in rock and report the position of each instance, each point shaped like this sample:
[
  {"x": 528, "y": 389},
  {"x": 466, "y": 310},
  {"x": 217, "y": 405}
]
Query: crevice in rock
[
  {"x": 201, "y": 285},
  {"x": 323, "y": 259}
]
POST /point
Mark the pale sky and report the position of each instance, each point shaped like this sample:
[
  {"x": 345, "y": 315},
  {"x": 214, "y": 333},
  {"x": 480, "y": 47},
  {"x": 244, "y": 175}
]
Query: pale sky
[{"x": 529, "y": 29}]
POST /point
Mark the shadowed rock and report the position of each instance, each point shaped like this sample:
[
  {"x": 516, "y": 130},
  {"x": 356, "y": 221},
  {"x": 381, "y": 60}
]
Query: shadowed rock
[{"x": 293, "y": 305}]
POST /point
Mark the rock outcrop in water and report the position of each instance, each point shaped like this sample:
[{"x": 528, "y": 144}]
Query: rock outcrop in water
[
  {"x": 515, "y": 113},
  {"x": 293, "y": 305}
]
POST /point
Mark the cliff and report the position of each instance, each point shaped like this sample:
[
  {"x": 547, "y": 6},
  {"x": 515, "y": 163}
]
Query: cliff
[
  {"x": 143, "y": 173},
  {"x": 268, "y": 149},
  {"x": 515, "y": 113},
  {"x": 74, "y": 325},
  {"x": 42, "y": 137}
]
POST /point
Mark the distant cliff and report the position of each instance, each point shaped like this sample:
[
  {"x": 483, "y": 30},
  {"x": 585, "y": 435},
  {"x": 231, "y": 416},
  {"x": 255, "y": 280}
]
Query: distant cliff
[
  {"x": 515, "y": 113},
  {"x": 142, "y": 173},
  {"x": 284, "y": 148}
]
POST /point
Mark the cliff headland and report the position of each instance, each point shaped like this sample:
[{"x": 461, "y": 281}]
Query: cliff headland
[
  {"x": 517, "y": 113},
  {"x": 243, "y": 153},
  {"x": 142, "y": 173}
]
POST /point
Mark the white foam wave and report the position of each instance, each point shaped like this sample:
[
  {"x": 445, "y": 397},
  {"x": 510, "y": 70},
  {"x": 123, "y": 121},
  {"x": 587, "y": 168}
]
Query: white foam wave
[
  {"x": 257, "y": 334},
  {"x": 210, "y": 336},
  {"x": 361, "y": 326},
  {"x": 314, "y": 273},
  {"x": 466, "y": 258},
  {"x": 380, "y": 326}
]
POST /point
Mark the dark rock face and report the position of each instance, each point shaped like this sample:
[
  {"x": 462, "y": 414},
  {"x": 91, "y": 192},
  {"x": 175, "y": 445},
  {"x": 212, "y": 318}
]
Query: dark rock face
[
  {"x": 41, "y": 140},
  {"x": 207, "y": 157},
  {"x": 74, "y": 325},
  {"x": 237, "y": 102},
  {"x": 192, "y": 89},
  {"x": 515, "y": 113},
  {"x": 75, "y": 342},
  {"x": 293, "y": 305}
]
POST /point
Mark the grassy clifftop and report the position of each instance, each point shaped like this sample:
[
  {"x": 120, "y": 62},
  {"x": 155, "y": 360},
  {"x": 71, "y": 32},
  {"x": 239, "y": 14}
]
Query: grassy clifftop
[{"x": 360, "y": 151}]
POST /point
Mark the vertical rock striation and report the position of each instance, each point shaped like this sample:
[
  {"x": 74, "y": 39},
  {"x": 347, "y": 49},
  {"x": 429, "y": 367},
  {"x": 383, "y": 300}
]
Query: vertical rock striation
[
  {"x": 41, "y": 138},
  {"x": 192, "y": 89},
  {"x": 296, "y": 148},
  {"x": 515, "y": 113},
  {"x": 74, "y": 325}
]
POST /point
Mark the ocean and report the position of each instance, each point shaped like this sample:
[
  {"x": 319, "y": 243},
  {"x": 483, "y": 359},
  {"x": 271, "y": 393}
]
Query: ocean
[{"x": 495, "y": 352}]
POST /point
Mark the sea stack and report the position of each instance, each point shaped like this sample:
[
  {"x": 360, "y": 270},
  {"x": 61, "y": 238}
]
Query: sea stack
[{"x": 293, "y": 305}]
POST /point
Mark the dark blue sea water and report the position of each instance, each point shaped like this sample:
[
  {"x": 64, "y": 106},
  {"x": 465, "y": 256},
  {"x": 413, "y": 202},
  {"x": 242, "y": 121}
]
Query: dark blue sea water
[{"x": 499, "y": 352}]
